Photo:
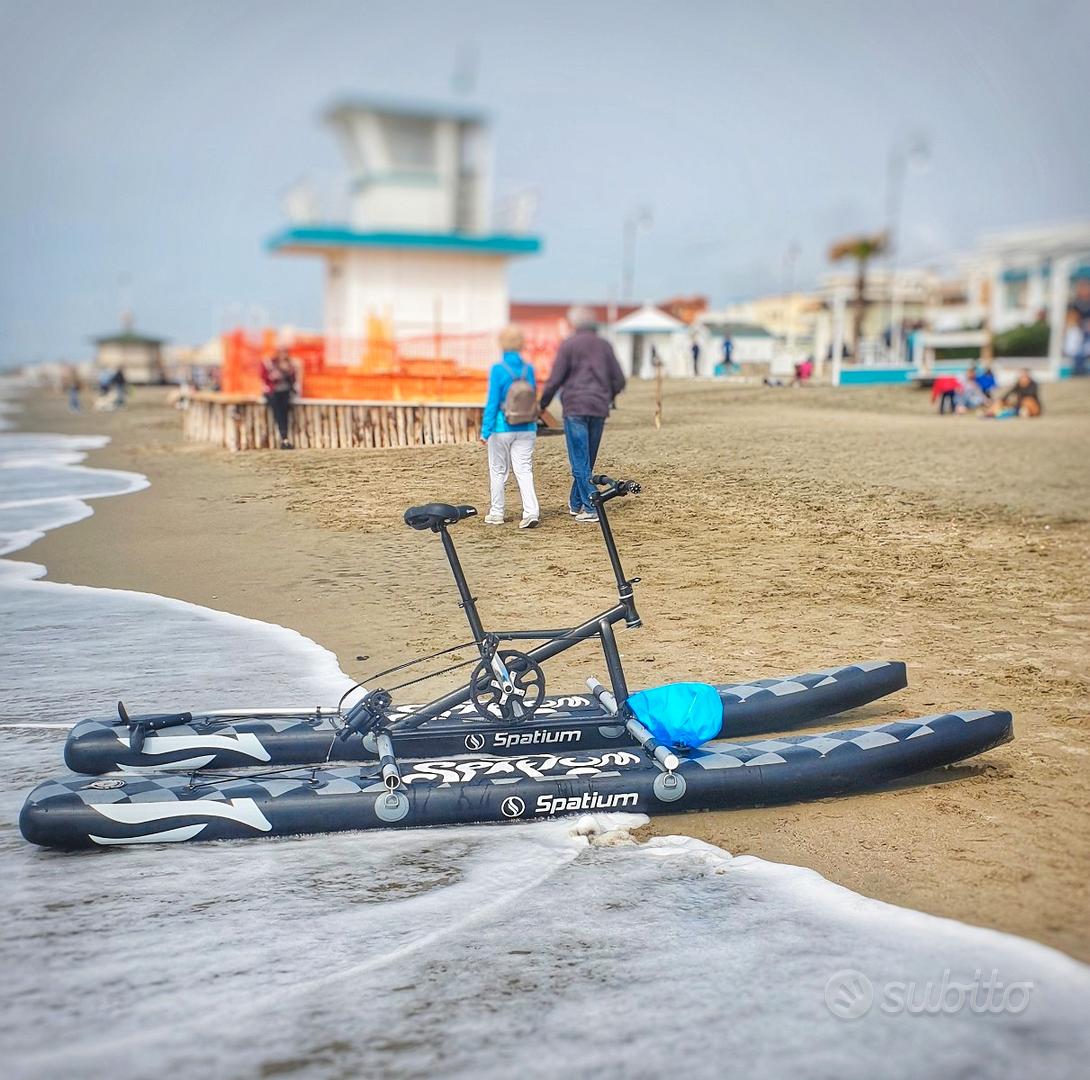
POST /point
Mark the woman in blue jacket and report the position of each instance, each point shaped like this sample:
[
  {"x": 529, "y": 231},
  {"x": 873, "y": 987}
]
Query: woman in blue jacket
[{"x": 510, "y": 442}]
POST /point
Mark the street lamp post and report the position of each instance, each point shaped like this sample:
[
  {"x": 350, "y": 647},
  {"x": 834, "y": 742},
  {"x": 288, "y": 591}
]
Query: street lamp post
[
  {"x": 790, "y": 258},
  {"x": 636, "y": 222},
  {"x": 916, "y": 153}
]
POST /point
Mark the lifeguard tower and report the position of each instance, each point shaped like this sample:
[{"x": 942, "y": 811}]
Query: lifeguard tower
[
  {"x": 415, "y": 291},
  {"x": 415, "y": 258}
]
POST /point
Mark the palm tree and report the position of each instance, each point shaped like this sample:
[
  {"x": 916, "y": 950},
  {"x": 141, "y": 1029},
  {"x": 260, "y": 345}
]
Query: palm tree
[{"x": 862, "y": 249}]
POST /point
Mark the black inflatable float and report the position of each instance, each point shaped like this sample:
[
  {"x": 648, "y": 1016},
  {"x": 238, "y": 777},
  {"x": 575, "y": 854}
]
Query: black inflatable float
[
  {"x": 571, "y": 722},
  {"x": 83, "y": 812}
]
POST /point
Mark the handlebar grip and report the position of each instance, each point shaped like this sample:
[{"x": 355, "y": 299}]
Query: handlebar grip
[{"x": 621, "y": 487}]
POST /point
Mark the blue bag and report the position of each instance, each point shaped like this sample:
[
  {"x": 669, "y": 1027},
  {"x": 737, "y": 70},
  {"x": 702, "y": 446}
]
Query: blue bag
[{"x": 686, "y": 713}]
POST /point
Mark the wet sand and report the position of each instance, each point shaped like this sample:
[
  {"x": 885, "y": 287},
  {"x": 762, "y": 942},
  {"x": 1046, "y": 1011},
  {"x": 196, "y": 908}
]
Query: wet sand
[{"x": 780, "y": 531}]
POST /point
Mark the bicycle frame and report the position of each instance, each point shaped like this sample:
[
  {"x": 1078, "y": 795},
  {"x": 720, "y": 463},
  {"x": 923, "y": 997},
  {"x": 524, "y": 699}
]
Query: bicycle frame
[{"x": 599, "y": 626}]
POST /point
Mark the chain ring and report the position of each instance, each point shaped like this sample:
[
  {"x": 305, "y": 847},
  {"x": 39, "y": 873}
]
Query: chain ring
[{"x": 488, "y": 697}]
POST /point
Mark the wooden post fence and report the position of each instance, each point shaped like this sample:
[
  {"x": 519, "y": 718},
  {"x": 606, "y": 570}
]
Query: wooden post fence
[{"x": 240, "y": 422}]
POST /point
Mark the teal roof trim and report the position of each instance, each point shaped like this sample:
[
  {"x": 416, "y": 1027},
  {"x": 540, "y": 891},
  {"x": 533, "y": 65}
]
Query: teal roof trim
[
  {"x": 320, "y": 237},
  {"x": 399, "y": 177},
  {"x": 387, "y": 106},
  {"x": 127, "y": 337},
  {"x": 1016, "y": 276}
]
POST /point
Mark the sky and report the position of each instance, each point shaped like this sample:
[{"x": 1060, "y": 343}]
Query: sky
[{"x": 147, "y": 145}]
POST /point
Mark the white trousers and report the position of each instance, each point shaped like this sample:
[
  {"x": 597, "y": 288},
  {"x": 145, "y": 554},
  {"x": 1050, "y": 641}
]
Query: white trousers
[{"x": 507, "y": 451}]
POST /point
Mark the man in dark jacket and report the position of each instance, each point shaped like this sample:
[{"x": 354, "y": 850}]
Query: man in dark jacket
[{"x": 588, "y": 378}]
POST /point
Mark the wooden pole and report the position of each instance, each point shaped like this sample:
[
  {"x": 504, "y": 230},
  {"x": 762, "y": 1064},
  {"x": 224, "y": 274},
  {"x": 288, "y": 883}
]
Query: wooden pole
[
  {"x": 987, "y": 350},
  {"x": 438, "y": 317},
  {"x": 658, "y": 390}
]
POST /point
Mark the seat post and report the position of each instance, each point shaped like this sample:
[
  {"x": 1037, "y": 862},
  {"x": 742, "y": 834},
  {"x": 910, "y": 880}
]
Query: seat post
[{"x": 469, "y": 605}]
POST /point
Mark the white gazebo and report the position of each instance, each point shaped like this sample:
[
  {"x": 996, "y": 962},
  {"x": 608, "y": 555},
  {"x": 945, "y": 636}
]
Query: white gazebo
[{"x": 650, "y": 332}]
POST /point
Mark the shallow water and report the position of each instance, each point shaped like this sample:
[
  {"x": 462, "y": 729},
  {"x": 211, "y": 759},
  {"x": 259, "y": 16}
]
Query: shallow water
[{"x": 497, "y": 950}]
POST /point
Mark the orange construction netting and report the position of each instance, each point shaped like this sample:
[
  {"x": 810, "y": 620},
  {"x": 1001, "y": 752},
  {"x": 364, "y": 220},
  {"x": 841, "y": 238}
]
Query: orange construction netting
[{"x": 441, "y": 368}]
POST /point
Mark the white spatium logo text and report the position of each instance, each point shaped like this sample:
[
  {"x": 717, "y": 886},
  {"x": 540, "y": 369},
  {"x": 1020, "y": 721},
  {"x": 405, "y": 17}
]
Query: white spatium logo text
[{"x": 540, "y": 767}]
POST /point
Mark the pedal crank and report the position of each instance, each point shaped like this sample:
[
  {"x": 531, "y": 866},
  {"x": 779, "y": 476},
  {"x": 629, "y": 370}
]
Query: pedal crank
[{"x": 507, "y": 686}]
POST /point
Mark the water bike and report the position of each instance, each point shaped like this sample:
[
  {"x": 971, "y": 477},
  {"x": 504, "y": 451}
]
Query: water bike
[{"x": 651, "y": 751}]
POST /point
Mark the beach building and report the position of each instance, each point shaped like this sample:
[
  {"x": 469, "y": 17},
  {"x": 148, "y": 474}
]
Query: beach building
[
  {"x": 892, "y": 299},
  {"x": 139, "y": 356},
  {"x": 754, "y": 349},
  {"x": 1015, "y": 278},
  {"x": 633, "y": 329},
  {"x": 1027, "y": 276},
  {"x": 767, "y": 333},
  {"x": 649, "y": 334},
  {"x": 1028, "y": 271},
  {"x": 414, "y": 271},
  {"x": 194, "y": 365},
  {"x": 545, "y": 325}
]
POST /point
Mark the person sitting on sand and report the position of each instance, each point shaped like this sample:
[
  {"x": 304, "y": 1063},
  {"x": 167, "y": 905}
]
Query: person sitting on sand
[
  {"x": 509, "y": 430},
  {"x": 1024, "y": 396},
  {"x": 986, "y": 381},
  {"x": 279, "y": 378},
  {"x": 970, "y": 397},
  {"x": 1022, "y": 399}
]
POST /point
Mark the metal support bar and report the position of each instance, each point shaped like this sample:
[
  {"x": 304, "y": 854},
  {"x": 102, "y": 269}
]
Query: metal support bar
[
  {"x": 530, "y": 635},
  {"x": 589, "y": 629},
  {"x": 663, "y": 755},
  {"x": 469, "y": 605},
  {"x": 613, "y": 661},
  {"x": 391, "y": 774}
]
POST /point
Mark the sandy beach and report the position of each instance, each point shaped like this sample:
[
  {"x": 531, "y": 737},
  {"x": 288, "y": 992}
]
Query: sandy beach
[{"x": 780, "y": 531}]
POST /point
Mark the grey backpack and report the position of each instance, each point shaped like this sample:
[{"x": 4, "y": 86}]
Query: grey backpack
[{"x": 520, "y": 402}]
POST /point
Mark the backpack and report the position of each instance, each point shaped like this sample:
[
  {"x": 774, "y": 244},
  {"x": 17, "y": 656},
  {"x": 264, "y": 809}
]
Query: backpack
[{"x": 520, "y": 402}]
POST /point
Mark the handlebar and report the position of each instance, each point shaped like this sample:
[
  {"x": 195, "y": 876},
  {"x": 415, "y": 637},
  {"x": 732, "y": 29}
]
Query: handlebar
[{"x": 620, "y": 487}]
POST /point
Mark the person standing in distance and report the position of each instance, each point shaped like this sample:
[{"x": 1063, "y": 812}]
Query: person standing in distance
[
  {"x": 509, "y": 429},
  {"x": 279, "y": 379},
  {"x": 587, "y": 377}
]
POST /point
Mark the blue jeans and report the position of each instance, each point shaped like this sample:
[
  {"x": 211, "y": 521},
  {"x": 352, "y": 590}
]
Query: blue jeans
[{"x": 583, "y": 435}]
